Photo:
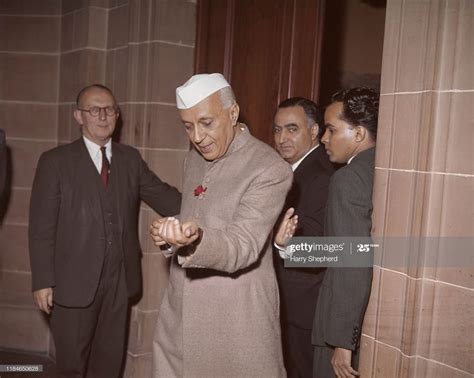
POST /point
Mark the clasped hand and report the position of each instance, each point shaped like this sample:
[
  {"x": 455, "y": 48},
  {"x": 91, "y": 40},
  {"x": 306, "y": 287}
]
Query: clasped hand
[{"x": 171, "y": 231}]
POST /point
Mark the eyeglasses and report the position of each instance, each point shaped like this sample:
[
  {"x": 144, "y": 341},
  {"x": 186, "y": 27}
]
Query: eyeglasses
[{"x": 95, "y": 111}]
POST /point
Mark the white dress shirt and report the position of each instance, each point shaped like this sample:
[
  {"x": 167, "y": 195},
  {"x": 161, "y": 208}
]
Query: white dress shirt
[
  {"x": 295, "y": 165},
  {"x": 350, "y": 159},
  {"x": 96, "y": 155}
]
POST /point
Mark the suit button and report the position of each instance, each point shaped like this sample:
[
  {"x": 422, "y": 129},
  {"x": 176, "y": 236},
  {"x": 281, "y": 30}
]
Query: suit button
[{"x": 207, "y": 179}]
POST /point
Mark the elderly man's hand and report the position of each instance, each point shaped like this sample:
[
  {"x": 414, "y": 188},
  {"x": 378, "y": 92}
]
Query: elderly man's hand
[
  {"x": 154, "y": 232},
  {"x": 341, "y": 363},
  {"x": 287, "y": 228},
  {"x": 171, "y": 231},
  {"x": 44, "y": 299}
]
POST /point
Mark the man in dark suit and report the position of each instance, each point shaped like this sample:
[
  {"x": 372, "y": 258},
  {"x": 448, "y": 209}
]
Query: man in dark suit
[
  {"x": 298, "y": 125},
  {"x": 3, "y": 166},
  {"x": 84, "y": 249},
  {"x": 351, "y": 131}
]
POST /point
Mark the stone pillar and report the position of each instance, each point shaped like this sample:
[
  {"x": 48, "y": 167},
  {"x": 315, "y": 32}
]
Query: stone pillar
[
  {"x": 84, "y": 27},
  {"x": 420, "y": 318},
  {"x": 29, "y": 90},
  {"x": 160, "y": 58},
  {"x": 49, "y": 50}
]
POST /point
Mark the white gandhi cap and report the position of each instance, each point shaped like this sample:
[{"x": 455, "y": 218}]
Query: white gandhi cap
[{"x": 198, "y": 88}]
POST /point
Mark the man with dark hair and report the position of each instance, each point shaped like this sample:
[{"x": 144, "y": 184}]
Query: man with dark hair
[
  {"x": 297, "y": 127},
  {"x": 84, "y": 249},
  {"x": 351, "y": 130}
]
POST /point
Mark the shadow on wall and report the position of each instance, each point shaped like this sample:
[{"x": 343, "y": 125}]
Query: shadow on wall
[
  {"x": 6, "y": 194},
  {"x": 117, "y": 135},
  {"x": 352, "y": 45},
  {"x": 352, "y": 79},
  {"x": 376, "y": 3}
]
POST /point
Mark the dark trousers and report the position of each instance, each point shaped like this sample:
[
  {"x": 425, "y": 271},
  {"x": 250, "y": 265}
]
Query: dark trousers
[
  {"x": 298, "y": 351},
  {"x": 322, "y": 367},
  {"x": 90, "y": 341}
]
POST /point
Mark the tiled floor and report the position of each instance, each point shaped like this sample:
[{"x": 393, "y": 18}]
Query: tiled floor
[{"x": 18, "y": 358}]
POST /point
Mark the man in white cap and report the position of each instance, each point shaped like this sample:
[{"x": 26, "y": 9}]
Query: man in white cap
[{"x": 220, "y": 314}]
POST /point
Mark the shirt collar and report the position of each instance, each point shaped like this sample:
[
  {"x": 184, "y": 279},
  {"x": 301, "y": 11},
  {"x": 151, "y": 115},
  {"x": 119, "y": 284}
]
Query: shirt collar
[
  {"x": 352, "y": 158},
  {"x": 94, "y": 148},
  {"x": 295, "y": 165},
  {"x": 360, "y": 153}
]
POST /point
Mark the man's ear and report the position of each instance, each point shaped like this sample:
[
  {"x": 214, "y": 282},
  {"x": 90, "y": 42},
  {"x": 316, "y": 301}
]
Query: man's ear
[
  {"x": 314, "y": 132},
  {"x": 78, "y": 117},
  {"x": 234, "y": 113},
  {"x": 360, "y": 134}
]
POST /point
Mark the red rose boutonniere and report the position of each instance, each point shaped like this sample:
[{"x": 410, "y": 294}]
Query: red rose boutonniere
[{"x": 199, "y": 190}]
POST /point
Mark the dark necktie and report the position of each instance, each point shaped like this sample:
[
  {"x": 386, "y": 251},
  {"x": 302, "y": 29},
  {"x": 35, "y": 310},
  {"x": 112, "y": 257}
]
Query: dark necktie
[{"x": 104, "y": 172}]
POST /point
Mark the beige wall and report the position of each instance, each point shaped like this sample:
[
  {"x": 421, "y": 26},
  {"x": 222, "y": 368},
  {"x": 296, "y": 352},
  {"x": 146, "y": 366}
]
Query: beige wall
[
  {"x": 142, "y": 50},
  {"x": 30, "y": 39},
  {"x": 420, "y": 318}
]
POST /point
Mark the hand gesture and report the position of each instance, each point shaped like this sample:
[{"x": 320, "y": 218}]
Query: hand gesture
[
  {"x": 287, "y": 228},
  {"x": 154, "y": 232},
  {"x": 171, "y": 231}
]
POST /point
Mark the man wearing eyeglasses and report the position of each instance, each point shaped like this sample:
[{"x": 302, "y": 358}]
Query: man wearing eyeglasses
[{"x": 84, "y": 249}]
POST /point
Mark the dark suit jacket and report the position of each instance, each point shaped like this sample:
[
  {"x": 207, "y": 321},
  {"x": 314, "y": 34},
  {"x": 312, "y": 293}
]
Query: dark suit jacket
[
  {"x": 344, "y": 293},
  {"x": 299, "y": 287},
  {"x": 66, "y": 230},
  {"x": 3, "y": 164}
]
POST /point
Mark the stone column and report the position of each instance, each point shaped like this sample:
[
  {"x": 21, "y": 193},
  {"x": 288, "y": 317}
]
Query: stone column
[
  {"x": 144, "y": 66},
  {"x": 29, "y": 91},
  {"x": 420, "y": 318},
  {"x": 49, "y": 50}
]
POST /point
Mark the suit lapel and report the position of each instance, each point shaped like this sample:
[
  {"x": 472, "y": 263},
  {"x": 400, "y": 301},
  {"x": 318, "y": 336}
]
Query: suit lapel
[
  {"x": 299, "y": 176},
  {"x": 308, "y": 163}
]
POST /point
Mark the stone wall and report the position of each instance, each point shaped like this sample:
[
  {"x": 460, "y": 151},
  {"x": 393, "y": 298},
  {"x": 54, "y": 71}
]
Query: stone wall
[{"x": 49, "y": 50}]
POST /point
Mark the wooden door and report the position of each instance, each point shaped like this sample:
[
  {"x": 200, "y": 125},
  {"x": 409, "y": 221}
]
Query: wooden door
[{"x": 269, "y": 50}]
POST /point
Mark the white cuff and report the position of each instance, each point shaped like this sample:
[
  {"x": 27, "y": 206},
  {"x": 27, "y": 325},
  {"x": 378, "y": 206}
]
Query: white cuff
[
  {"x": 284, "y": 253},
  {"x": 168, "y": 252}
]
